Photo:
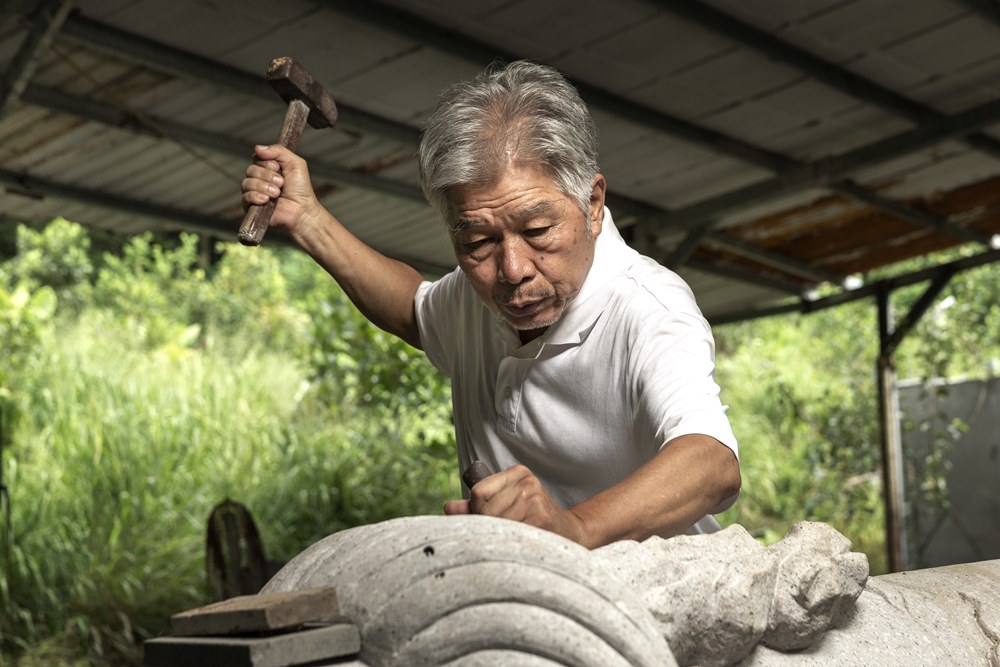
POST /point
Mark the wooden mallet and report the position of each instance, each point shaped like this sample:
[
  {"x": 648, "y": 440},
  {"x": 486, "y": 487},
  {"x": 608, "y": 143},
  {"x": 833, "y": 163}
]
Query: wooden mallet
[{"x": 307, "y": 101}]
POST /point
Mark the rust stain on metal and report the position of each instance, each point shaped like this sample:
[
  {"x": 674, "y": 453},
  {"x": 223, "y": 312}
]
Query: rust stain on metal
[
  {"x": 846, "y": 237},
  {"x": 381, "y": 162}
]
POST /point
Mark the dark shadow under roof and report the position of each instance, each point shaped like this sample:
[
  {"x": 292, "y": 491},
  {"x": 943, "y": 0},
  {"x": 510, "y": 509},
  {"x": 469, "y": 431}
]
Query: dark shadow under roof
[{"x": 761, "y": 148}]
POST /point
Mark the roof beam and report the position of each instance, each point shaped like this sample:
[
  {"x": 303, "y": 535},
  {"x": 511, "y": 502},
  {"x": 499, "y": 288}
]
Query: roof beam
[
  {"x": 415, "y": 27},
  {"x": 827, "y": 170},
  {"x": 210, "y": 225},
  {"x": 80, "y": 107},
  {"x": 871, "y": 289},
  {"x": 771, "y": 258},
  {"x": 41, "y": 187},
  {"x": 913, "y": 214},
  {"x": 740, "y": 274},
  {"x": 181, "y": 63},
  {"x": 164, "y": 58},
  {"x": 47, "y": 20},
  {"x": 988, "y": 9},
  {"x": 832, "y": 75},
  {"x": 680, "y": 255}
]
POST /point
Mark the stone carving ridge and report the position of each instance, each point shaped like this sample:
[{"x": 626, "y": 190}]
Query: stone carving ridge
[{"x": 476, "y": 591}]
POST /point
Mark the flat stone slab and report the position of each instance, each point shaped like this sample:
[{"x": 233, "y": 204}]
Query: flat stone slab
[
  {"x": 265, "y": 612},
  {"x": 309, "y": 646}
]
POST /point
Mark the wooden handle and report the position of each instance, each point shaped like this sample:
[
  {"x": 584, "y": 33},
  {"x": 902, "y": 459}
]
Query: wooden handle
[
  {"x": 259, "y": 217},
  {"x": 475, "y": 473}
]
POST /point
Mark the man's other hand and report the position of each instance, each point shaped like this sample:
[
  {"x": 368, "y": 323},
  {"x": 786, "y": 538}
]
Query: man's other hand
[{"x": 517, "y": 494}]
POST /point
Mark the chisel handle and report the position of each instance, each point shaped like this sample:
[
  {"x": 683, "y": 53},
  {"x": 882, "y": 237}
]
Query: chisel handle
[{"x": 475, "y": 473}]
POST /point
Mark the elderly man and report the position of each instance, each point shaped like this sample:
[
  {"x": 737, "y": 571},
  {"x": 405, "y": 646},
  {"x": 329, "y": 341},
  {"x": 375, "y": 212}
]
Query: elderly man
[{"x": 581, "y": 370}]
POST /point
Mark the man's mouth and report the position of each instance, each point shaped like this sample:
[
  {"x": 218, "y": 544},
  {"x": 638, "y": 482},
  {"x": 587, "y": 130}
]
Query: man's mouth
[{"x": 525, "y": 308}]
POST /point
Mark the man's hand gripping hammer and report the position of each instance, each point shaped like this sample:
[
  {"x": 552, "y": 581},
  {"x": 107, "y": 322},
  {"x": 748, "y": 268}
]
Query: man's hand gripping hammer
[{"x": 307, "y": 101}]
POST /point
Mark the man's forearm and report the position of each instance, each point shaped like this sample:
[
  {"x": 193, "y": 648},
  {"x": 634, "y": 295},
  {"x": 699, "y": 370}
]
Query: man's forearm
[
  {"x": 382, "y": 288},
  {"x": 689, "y": 477}
]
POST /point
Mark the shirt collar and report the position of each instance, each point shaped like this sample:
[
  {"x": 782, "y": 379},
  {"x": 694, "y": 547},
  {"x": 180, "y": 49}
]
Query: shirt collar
[{"x": 612, "y": 257}]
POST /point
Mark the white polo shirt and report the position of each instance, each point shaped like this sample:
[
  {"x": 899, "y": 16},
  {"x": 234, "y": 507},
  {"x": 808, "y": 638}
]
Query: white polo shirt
[{"x": 628, "y": 367}]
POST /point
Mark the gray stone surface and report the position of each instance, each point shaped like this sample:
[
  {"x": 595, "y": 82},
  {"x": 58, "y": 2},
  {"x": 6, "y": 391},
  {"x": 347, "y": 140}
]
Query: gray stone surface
[
  {"x": 710, "y": 597},
  {"x": 941, "y": 617},
  {"x": 716, "y": 596},
  {"x": 476, "y": 591},
  {"x": 818, "y": 579},
  {"x": 452, "y": 590}
]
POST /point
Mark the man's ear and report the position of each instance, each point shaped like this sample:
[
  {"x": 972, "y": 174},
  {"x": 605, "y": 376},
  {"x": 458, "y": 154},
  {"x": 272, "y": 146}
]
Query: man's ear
[{"x": 596, "y": 206}]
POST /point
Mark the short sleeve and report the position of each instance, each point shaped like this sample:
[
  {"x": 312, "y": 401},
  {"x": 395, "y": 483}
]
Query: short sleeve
[
  {"x": 673, "y": 360},
  {"x": 437, "y": 305}
]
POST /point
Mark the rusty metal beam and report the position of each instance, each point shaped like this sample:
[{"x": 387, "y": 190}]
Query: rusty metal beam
[
  {"x": 46, "y": 22},
  {"x": 805, "y": 306},
  {"x": 161, "y": 57},
  {"x": 106, "y": 114},
  {"x": 835, "y": 76},
  {"x": 829, "y": 170},
  {"x": 190, "y": 220},
  {"x": 988, "y": 9},
  {"x": 412, "y": 26}
]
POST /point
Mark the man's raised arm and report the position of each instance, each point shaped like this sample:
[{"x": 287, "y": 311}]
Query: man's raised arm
[{"x": 380, "y": 287}]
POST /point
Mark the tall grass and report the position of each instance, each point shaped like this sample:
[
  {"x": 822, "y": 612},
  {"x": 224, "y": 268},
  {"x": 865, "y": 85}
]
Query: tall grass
[{"x": 123, "y": 452}]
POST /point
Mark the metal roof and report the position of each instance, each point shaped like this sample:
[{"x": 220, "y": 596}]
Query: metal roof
[{"x": 759, "y": 147}]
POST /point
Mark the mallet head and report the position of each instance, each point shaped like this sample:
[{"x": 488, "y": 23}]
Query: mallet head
[{"x": 290, "y": 80}]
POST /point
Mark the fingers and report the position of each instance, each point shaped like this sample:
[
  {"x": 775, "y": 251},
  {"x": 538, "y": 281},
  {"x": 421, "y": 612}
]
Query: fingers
[
  {"x": 457, "y": 507},
  {"x": 263, "y": 180},
  {"x": 277, "y": 172},
  {"x": 514, "y": 494},
  {"x": 517, "y": 494}
]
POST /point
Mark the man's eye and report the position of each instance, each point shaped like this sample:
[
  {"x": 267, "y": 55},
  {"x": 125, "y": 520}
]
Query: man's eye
[
  {"x": 536, "y": 232},
  {"x": 472, "y": 246}
]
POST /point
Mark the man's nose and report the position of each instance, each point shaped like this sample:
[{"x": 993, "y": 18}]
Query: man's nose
[{"x": 515, "y": 264}]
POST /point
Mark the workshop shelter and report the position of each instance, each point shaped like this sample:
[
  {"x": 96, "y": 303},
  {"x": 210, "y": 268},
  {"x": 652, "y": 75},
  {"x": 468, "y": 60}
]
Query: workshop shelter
[{"x": 773, "y": 152}]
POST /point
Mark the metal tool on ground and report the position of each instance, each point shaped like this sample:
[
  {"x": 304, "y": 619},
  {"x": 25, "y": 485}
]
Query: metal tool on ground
[
  {"x": 307, "y": 101},
  {"x": 284, "y": 629},
  {"x": 476, "y": 473}
]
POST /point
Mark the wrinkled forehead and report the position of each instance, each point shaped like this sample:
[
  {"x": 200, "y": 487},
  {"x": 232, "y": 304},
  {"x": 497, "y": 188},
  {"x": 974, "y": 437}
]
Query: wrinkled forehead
[
  {"x": 519, "y": 193},
  {"x": 490, "y": 178}
]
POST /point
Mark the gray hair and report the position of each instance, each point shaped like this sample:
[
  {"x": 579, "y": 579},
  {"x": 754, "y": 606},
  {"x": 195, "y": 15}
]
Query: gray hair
[{"x": 520, "y": 112}]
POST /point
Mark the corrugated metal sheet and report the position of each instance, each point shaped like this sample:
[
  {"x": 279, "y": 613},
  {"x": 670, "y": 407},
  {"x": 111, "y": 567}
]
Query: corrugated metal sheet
[{"x": 936, "y": 53}]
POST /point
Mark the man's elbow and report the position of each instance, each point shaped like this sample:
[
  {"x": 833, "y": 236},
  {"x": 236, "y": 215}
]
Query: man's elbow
[
  {"x": 733, "y": 478},
  {"x": 728, "y": 482}
]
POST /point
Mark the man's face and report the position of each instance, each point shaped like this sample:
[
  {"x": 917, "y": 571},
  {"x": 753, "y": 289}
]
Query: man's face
[{"x": 525, "y": 245}]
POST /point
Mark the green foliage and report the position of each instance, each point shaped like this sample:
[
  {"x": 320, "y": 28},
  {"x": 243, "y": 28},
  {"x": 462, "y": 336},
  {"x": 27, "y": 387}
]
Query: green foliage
[
  {"x": 152, "y": 290},
  {"x": 24, "y": 316},
  {"x": 803, "y": 406},
  {"x": 171, "y": 389},
  {"x": 56, "y": 256},
  {"x": 960, "y": 334},
  {"x": 355, "y": 363},
  {"x": 163, "y": 385}
]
